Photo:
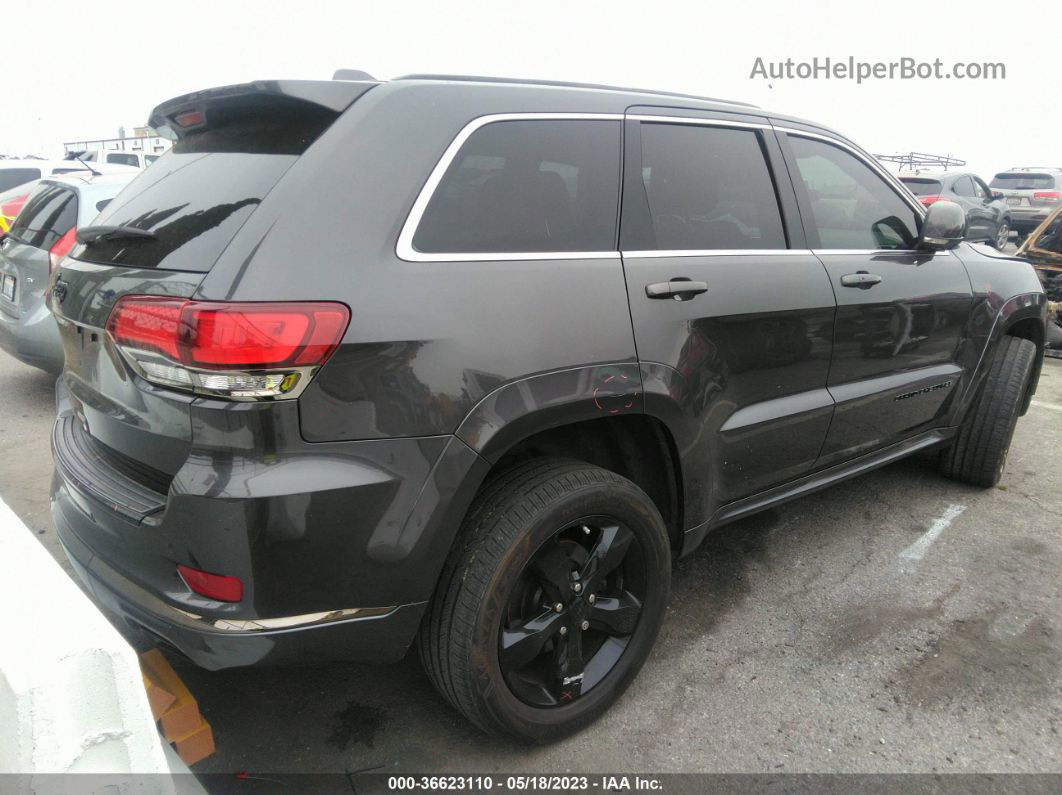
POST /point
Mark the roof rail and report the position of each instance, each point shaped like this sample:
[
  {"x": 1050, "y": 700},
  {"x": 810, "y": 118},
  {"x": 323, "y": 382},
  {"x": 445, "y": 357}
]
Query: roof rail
[
  {"x": 1035, "y": 168},
  {"x": 563, "y": 84}
]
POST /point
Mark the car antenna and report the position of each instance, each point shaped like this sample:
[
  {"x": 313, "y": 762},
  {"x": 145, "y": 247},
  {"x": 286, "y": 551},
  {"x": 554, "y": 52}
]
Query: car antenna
[{"x": 95, "y": 173}]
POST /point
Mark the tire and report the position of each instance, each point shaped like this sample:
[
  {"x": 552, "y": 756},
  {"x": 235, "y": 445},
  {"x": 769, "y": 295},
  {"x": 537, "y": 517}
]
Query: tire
[
  {"x": 1002, "y": 235},
  {"x": 524, "y": 516},
  {"x": 978, "y": 454}
]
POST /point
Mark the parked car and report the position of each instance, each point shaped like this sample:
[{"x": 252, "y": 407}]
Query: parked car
[
  {"x": 18, "y": 178},
  {"x": 40, "y": 236},
  {"x": 19, "y": 172},
  {"x": 1031, "y": 193},
  {"x": 987, "y": 214},
  {"x": 134, "y": 159},
  {"x": 360, "y": 363}
]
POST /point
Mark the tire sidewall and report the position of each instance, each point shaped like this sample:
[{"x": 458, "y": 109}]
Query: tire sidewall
[{"x": 624, "y": 502}]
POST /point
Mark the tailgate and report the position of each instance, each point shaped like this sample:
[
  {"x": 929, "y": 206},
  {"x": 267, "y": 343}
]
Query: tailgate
[{"x": 233, "y": 145}]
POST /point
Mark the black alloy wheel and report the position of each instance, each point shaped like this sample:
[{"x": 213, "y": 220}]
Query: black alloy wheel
[{"x": 573, "y": 612}]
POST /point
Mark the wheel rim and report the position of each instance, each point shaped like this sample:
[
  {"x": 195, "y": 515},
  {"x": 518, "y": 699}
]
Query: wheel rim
[
  {"x": 573, "y": 612},
  {"x": 1003, "y": 237}
]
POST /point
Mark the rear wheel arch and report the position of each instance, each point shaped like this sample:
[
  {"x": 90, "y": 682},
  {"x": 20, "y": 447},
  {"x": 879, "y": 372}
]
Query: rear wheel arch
[
  {"x": 1031, "y": 329},
  {"x": 637, "y": 447}
]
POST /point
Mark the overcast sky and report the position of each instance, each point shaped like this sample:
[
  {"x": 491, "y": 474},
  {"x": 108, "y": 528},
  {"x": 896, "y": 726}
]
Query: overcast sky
[{"x": 75, "y": 71}]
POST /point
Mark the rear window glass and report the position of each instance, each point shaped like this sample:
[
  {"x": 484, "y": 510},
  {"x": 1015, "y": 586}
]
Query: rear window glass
[
  {"x": 48, "y": 214},
  {"x": 525, "y": 187},
  {"x": 196, "y": 198},
  {"x": 11, "y": 177},
  {"x": 1015, "y": 181},
  {"x": 922, "y": 187},
  {"x": 194, "y": 204}
]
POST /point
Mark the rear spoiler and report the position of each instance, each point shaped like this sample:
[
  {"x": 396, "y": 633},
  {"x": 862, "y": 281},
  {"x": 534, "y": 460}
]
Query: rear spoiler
[{"x": 192, "y": 113}]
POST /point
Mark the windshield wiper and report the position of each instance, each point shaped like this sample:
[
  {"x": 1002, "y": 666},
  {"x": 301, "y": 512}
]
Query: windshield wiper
[{"x": 90, "y": 234}]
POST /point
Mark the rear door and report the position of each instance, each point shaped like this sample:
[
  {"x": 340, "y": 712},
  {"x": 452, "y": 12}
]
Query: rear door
[
  {"x": 978, "y": 218},
  {"x": 900, "y": 313},
  {"x": 729, "y": 306}
]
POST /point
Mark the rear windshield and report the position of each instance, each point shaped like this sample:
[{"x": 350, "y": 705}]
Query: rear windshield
[
  {"x": 48, "y": 214},
  {"x": 922, "y": 187},
  {"x": 196, "y": 198},
  {"x": 1023, "y": 181},
  {"x": 10, "y": 177}
]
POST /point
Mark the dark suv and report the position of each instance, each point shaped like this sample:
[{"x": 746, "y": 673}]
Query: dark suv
[{"x": 470, "y": 362}]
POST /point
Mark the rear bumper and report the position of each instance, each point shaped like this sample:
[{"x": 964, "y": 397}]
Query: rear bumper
[
  {"x": 32, "y": 337},
  {"x": 218, "y": 644},
  {"x": 1026, "y": 219},
  {"x": 338, "y": 546}
]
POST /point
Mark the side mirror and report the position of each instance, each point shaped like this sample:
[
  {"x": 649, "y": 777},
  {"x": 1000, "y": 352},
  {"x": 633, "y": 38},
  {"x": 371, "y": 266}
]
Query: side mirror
[
  {"x": 944, "y": 227},
  {"x": 996, "y": 194}
]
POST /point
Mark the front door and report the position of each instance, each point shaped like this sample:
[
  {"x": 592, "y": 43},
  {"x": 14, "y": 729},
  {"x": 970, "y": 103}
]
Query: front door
[
  {"x": 729, "y": 306},
  {"x": 900, "y": 312}
]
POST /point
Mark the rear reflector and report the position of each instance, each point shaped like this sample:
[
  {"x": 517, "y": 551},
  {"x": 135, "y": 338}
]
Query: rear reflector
[
  {"x": 61, "y": 249},
  {"x": 242, "y": 350},
  {"x": 212, "y": 586}
]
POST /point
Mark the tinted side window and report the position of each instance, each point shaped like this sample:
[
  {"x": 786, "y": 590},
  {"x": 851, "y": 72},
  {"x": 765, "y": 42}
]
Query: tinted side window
[
  {"x": 10, "y": 177},
  {"x": 851, "y": 206},
  {"x": 963, "y": 187},
  {"x": 708, "y": 188},
  {"x": 49, "y": 214},
  {"x": 527, "y": 186}
]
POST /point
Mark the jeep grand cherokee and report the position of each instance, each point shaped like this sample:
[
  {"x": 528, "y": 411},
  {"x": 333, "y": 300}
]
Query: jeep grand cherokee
[{"x": 469, "y": 363}]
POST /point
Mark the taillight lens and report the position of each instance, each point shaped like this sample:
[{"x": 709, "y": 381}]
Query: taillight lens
[
  {"x": 928, "y": 200},
  {"x": 239, "y": 350},
  {"x": 212, "y": 586},
  {"x": 61, "y": 249},
  {"x": 1047, "y": 195}
]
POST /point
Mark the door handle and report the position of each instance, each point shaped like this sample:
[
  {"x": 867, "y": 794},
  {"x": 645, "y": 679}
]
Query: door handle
[
  {"x": 679, "y": 289},
  {"x": 860, "y": 279}
]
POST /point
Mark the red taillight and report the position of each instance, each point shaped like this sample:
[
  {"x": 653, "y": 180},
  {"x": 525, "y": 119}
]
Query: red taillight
[
  {"x": 61, "y": 249},
  {"x": 1047, "y": 195},
  {"x": 264, "y": 349},
  {"x": 928, "y": 200},
  {"x": 259, "y": 336},
  {"x": 147, "y": 324},
  {"x": 221, "y": 336},
  {"x": 212, "y": 586}
]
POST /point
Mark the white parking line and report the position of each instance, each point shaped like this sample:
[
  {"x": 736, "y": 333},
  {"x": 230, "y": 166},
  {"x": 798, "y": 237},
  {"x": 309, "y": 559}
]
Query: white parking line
[
  {"x": 1041, "y": 405},
  {"x": 921, "y": 546}
]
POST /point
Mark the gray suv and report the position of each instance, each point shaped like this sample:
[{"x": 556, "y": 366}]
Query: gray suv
[
  {"x": 1031, "y": 193},
  {"x": 469, "y": 363}
]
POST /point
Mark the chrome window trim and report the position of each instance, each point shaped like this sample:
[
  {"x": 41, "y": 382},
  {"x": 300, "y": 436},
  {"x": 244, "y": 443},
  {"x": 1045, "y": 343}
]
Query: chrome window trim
[
  {"x": 718, "y": 252},
  {"x": 704, "y": 122},
  {"x": 404, "y": 248},
  {"x": 890, "y": 179},
  {"x": 822, "y": 252}
]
